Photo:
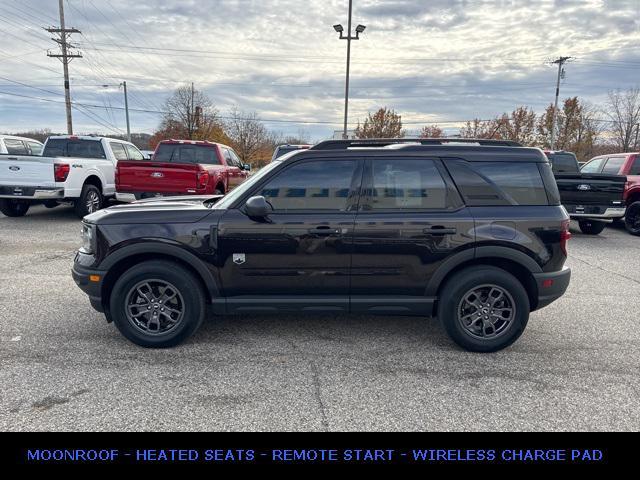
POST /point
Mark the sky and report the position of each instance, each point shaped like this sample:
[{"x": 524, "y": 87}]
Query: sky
[{"x": 434, "y": 61}]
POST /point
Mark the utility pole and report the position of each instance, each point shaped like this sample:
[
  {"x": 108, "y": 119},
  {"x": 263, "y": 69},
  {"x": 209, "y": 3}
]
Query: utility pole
[
  {"x": 560, "y": 61},
  {"x": 191, "y": 115},
  {"x": 359, "y": 29},
  {"x": 126, "y": 109},
  {"x": 65, "y": 58}
]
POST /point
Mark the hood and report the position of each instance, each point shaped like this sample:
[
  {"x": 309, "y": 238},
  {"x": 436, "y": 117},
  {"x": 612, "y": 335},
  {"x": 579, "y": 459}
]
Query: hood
[{"x": 186, "y": 209}]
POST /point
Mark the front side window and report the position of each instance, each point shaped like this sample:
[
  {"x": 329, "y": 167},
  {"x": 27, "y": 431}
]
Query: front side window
[
  {"x": 15, "y": 147},
  {"x": 406, "y": 184},
  {"x": 318, "y": 185},
  {"x": 118, "y": 151},
  {"x": 613, "y": 165},
  {"x": 133, "y": 153},
  {"x": 36, "y": 148},
  {"x": 593, "y": 166}
]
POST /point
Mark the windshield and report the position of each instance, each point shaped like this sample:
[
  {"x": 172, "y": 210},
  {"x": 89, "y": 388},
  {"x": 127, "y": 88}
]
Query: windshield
[{"x": 237, "y": 192}]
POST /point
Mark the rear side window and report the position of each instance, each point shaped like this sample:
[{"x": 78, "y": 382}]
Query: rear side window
[
  {"x": 499, "y": 183},
  {"x": 118, "y": 151},
  {"x": 16, "y": 147},
  {"x": 321, "y": 185},
  {"x": 613, "y": 165},
  {"x": 635, "y": 168},
  {"x": 406, "y": 184},
  {"x": 63, "y": 147}
]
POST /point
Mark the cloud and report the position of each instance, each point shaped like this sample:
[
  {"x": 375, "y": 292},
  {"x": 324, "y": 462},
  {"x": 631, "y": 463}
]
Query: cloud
[{"x": 439, "y": 60}]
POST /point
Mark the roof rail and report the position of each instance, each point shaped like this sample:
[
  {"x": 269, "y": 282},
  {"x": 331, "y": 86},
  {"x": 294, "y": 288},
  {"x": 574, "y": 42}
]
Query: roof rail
[{"x": 383, "y": 142}]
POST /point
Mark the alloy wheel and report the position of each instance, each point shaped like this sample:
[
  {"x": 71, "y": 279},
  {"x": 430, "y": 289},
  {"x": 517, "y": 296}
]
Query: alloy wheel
[
  {"x": 486, "y": 311},
  {"x": 154, "y": 307}
]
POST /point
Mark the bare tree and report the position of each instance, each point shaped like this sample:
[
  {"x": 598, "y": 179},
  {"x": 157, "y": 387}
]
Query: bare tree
[
  {"x": 623, "y": 108},
  {"x": 192, "y": 111},
  {"x": 385, "y": 123},
  {"x": 249, "y": 137},
  {"x": 431, "y": 131}
]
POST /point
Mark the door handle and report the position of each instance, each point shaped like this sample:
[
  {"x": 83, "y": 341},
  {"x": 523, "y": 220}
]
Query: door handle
[
  {"x": 324, "y": 230},
  {"x": 439, "y": 230}
]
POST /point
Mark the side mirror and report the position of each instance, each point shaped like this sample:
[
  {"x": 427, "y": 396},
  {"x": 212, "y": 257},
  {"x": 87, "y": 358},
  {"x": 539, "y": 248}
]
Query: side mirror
[
  {"x": 246, "y": 166},
  {"x": 258, "y": 207}
]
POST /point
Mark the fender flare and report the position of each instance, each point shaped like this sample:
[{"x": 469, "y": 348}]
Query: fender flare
[
  {"x": 168, "y": 249},
  {"x": 480, "y": 252}
]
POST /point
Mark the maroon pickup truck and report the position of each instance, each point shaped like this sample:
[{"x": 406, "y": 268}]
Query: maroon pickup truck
[{"x": 180, "y": 167}]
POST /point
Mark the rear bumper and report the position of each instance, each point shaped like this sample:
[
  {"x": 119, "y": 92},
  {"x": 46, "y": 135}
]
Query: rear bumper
[
  {"x": 90, "y": 282},
  {"x": 126, "y": 197},
  {"x": 608, "y": 214},
  {"x": 18, "y": 192},
  {"x": 551, "y": 286}
]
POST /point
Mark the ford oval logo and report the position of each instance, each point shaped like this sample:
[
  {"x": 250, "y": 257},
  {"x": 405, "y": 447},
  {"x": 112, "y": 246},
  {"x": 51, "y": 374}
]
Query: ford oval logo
[
  {"x": 157, "y": 174},
  {"x": 14, "y": 168},
  {"x": 584, "y": 187}
]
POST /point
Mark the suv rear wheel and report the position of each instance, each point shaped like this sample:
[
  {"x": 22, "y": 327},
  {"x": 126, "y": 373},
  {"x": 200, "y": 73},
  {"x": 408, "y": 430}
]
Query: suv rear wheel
[
  {"x": 632, "y": 219},
  {"x": 591, "y": 227},
  {"x": 14, "y": 208},
  {"x": 157, "y": 304},
  {"x": 483, "y": 309}
]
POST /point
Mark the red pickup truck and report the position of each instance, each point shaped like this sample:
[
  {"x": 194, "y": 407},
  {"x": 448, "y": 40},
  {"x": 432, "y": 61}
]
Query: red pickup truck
[
  {"x": 622, "y": 164},
  {"x": 180, "y": 167}
]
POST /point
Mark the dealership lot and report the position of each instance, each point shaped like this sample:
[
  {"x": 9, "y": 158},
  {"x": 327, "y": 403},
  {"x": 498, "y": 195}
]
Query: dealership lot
[{"x": 62, "y": 367}]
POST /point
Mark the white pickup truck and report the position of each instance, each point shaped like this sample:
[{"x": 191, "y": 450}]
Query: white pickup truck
[{"x": 77, "y": 169}]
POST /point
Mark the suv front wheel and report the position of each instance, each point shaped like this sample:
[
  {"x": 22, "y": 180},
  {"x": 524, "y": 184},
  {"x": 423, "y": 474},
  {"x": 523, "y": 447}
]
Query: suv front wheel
[
  {"x": 483, "y": 308},
  {"x": 157, "y": 304}
]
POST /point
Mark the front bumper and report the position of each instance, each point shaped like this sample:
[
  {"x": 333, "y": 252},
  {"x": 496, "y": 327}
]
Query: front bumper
[
  {"x": 31, "y": 193},
  {"x": 89, "y": 280},
  {"x": 551, "y": 286}
]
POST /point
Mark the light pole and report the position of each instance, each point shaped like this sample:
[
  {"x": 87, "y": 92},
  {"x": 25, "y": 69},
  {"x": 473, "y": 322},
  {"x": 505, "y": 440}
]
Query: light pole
[
  {"x": 348, "y": 37},
  {"x": 560, "y": 62},
  {"x": 126, "y": 106}
]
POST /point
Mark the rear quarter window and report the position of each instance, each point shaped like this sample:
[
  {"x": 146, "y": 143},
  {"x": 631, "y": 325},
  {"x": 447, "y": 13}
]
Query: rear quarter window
[{"x": 499, "y": 183}]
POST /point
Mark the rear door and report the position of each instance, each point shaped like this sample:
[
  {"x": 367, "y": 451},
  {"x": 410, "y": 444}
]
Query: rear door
[{"x": 410, "y": 219}]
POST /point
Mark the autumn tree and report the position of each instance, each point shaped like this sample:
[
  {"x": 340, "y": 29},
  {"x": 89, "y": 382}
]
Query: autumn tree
[
  {"x": 384, "y": 123},
  {"x": 431, "y": 131},
  {"x": 249, "y": 137},
  {"x": 477, "y": 128},
  {"x": 623, "y": 109},
  {"x": 519, "y": 126},
  {"x": 577, "y": 128}
]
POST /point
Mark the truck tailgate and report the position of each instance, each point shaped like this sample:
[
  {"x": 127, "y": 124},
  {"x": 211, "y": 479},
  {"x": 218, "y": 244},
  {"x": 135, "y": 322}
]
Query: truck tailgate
[
  {"x": 26, "y": 170},
  {"x": 156, "y": 177},
  {"x": 592, "y": 194}
]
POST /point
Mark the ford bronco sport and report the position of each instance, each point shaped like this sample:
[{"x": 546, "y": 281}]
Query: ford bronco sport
[{"x": 469, "y": 231}]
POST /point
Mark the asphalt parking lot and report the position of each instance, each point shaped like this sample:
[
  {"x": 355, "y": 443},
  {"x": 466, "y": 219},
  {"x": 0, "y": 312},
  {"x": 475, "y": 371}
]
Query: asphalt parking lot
[{"x": 62, "y": 367}]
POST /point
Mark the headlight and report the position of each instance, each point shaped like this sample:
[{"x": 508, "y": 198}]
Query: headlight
[{"x": 88, "y": 238}]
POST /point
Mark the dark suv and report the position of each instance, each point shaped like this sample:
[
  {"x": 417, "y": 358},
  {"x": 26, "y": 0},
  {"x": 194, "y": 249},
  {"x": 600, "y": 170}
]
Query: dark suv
[{"x": 472, "y": 232}]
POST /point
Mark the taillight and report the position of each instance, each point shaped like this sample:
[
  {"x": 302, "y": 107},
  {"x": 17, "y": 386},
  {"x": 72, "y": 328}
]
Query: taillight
[
  {"x": 565, "y": 235},
  {"x": 117, "y": 174},
  {"x": 61, "y": 171},
  {"x": 202, "y": 178}
]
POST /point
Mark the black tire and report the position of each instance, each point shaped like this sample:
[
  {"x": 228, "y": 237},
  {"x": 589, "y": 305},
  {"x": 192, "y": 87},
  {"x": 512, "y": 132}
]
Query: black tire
[
  {"x": 218, "y": 191},
  {"x": 90, "y": 201},
  {"x": 453, "y": 313},
  {"x": 591, "y": 227},
  {"x": 632, "y": 219},
  {"x": 50, "y": 203},
  {"x": 130, "y": 290},
  {"x": 14, "y": 208}
]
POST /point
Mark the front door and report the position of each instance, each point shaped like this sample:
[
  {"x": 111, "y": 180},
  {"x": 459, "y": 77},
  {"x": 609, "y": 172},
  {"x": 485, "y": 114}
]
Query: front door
[
  {"x": 410, "y": 219},
  {"x": 299, "y": 257}
]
